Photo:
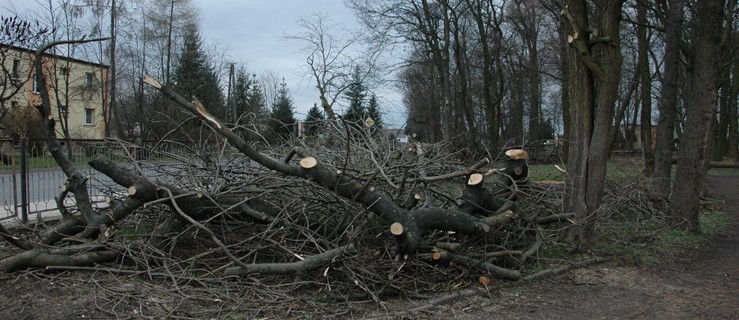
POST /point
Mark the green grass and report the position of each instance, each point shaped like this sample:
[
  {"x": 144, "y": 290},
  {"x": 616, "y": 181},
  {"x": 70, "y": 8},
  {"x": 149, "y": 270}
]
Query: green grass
[
  {"x": 650, "y": 243},
  {"x": 723, "y": 172},
  {"x": 617, "y": 171},
  {"x": 538, "y": 172}
]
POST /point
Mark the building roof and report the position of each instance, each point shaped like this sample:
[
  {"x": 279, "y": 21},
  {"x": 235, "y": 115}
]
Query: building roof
[{"x": 56, "y": 56}]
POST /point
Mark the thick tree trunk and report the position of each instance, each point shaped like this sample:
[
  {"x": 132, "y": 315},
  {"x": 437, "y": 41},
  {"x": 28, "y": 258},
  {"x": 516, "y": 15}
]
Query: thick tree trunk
[
  {"x": 700, "y": 109},
  {"x": 593, "y": 77},
  {"x": 668, "y": 102}
]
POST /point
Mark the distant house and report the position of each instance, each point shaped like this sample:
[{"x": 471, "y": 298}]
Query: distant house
[
  {"x": 78, "y": 89},
  {"x": 397, "y": 134}
]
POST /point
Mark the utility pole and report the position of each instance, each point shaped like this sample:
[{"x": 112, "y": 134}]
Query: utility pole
[{"x": 231, "y": 101}]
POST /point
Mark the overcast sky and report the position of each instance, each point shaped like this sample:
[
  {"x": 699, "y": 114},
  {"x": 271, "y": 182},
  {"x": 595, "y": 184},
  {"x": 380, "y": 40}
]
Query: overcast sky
[{"x": 253, "y": 32}]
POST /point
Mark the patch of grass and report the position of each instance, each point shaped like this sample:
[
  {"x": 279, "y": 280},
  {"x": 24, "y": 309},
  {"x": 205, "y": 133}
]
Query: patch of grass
[
  {"x": 538, "y": 172},
  {"x": 653, "y": 242},
  {"x": 723, "y": 172},
  {"x": 554, "y": 250},
  {"x": 714, "y": 222},
  {"x": 133, "y": 230},
  {"x": 619, "y": 171}
]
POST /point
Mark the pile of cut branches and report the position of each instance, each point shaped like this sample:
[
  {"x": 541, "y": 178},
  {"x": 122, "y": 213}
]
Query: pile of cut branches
[{"x": 352, "y": 216}]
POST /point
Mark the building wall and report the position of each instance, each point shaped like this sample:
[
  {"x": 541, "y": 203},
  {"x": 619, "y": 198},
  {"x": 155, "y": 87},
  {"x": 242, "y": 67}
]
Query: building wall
[{"x": 79, "y": 85}]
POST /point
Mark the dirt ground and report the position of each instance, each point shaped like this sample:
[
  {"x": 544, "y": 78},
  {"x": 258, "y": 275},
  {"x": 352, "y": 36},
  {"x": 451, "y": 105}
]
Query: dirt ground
[{"x": 704, "y": 284}]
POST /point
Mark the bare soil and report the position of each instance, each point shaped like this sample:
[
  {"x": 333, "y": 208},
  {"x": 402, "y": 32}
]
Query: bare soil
[{"x": 702, "y": 284}]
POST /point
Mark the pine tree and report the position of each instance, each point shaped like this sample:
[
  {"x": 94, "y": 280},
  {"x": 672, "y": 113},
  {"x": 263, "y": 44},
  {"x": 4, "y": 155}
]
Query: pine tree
[
  {"x": 314, "y": 121},
  {"x": 373, "y": 112},
  {"x": 241, "y": 91},
  {"x": 356, "y": 93},
  {"x": 194, "y": 75},
  {"x": 255, "y": 100},
  {"x": 282, "y": 119}
]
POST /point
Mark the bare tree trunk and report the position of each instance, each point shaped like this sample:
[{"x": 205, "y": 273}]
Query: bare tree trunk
[
  {"x": 727, "y": 106},
  {"x": 733, "y": 117},
  {"x": 621, "y": 112},
  {"x": 646, "y": 88},
  {"x": 691, "y": 173},
  {"x": 593, "y": 77},
  {"x": 440, "y": 54},
  {"x": 488, "y": 84},
  {"x": 668, "y": 101}
]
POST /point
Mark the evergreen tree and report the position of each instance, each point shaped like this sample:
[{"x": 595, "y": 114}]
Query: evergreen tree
[
  {"x": 282, "y": 119},
  {"x": 241, "y": 90},
  {"x": 194, "y": 75},
  {"x": 356, "y": 93},
  {"x": 255, "y": 100},
  {"x": 373, "y": 112},
  {"x": 314, "y": 121}
]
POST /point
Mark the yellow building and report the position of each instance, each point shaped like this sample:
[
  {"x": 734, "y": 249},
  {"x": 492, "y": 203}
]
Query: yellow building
[{"x": 77, "y": 89}]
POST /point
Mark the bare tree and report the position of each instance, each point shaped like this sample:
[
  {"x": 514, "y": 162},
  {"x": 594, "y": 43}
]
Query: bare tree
[
  {"x": 16, "y": 35},
  {"x": 646, "y": 86},
  {"x": 593, "y": 63},
  {"x": 331, "y": 59},
  {"x": 691, "y": 173},
  {"x": 665, "y": 140}
]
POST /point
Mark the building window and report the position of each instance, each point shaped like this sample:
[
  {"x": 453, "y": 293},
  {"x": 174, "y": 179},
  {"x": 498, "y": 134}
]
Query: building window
[
  {"x": 89, "y": 76},
  {"x": 89, "y": 116},
  {"x": 63, "y": 71},
  {"x": 63, "y": 111}
]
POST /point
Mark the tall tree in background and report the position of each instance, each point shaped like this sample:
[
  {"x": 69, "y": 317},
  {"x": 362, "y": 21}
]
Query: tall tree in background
[
  {"x": 490, "y": 37},
  {"x": 690, "y": 174},
  {"x": 356, "y": 94},
  {"x": 593, "y": 74},
  {"x": 282, "y": 120},
  {"x": 256, "y": 102},
  {"x": 725, "y": 145},
  {"x": 665, "y": 140},
  {"x": 314, "y": 121},
  {"x": 373, "y": 112},
  {"x": 646, "y": 86},
  {"x": 526, "y": 17},
  {"x": 241, "y": 89},
  {"x": 194, "y": 76}
]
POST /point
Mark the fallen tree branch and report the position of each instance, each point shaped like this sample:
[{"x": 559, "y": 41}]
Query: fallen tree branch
[
  {"x": 41, "y": 258},
  {"x": 554, "y": 272},
  {"x": 415, "y": 222},
  {"x": 508, "y": 274},
  {"x": 309, "y": 263}
]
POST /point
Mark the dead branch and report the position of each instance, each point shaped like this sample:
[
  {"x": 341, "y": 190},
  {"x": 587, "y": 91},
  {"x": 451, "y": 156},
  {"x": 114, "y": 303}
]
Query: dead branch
[
  {"x": 482, "y": 265},
  {"x": 307, "y": 264},
  {"x": 414, "y": 222}
]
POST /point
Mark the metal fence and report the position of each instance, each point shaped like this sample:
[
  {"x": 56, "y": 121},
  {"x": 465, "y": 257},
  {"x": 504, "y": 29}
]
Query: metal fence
[{"x": 30, "y": 179}]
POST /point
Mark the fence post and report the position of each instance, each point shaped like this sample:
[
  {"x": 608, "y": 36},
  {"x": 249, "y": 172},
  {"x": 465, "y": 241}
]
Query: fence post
[{"x": 24, "y": 179}]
